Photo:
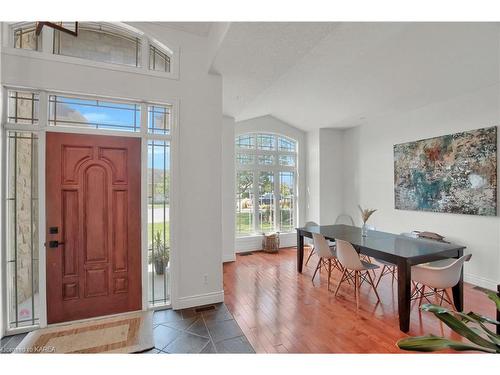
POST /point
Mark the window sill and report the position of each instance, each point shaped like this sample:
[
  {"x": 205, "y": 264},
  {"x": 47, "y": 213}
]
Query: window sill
[{"x": 89, "y": 63}]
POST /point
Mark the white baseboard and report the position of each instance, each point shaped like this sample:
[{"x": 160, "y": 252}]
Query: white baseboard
[
  {"x": 480, "y": 281},
  {"x": 252, "y": 243},
  {"x": 228, "y": 258},
  {"x": 199, "y": 300}
]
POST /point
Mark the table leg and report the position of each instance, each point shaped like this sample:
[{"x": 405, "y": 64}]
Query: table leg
[
  {"x": 458, "y": 290},
  {"x": 404, "y": 295},
  {"x": 300, "y": 251}
]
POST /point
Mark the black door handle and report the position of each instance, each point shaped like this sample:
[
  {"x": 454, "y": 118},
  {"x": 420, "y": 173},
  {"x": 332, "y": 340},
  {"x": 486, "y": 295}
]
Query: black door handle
[{"x": 53, "y": 244}]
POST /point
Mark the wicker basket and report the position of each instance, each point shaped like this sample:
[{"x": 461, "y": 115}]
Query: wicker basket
[{"x": 271, "y": 242}]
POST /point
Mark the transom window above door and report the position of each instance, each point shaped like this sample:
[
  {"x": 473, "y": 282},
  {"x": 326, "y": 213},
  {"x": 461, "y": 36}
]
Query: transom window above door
[{"x": 266, "y": 179}]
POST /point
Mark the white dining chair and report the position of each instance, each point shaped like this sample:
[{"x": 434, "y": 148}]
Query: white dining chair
[
  {"x": 438, "y": 277},
  {"x": 354, "y": 268},
  {"x": 344, "y": 219},
  {"x": 309, "y": 224},
  {"x": 327, "y": 256}
]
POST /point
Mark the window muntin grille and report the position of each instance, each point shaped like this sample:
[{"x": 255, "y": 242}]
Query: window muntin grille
[
  {"x": 271, "y": 160},
  {"x": 158, "y": 60},
  {"x": 287, "y": 160},
  {"x": 22, "y": 229},
  {"x": 286, "y": 144},
  {"x": 159, "y": 119},
  {"x": 245, "y": 141},
  {"x": 26, "y": 38},
  {"x": 266, "y": 159},
  {"x": 99, "y": 43},
  {"x": 266, "y": 142},
  {"x": 23, "y": 107},
  {"x": 158, "y": 170},
  {"x": 244, "y": 159},
  {"x": 94, "y": 113}
]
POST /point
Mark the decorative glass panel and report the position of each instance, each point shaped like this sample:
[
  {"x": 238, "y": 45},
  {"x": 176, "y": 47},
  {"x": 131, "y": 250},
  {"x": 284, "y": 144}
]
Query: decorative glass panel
[
  {"x": 158, "y": 222},
  {"x": 158, "y": 60},
  {"x": 266, "y": 202},
  {"x": 245, "y": 141},
  {"x": 98, "y": 43},
  {"x": 266, "y": 142},
  {"x": 159, "y": 119},
  {"x": 23, "y": 107},
  {"x": 98, "y": 114},
  {"x": 266, "y": 159},
  {"x": 22, "y": 229},
  {"x": 287, "y": 201},
  {"x": 285, "y": 144},
  {"x": 245, "y": 158},
  {"x": 244, "y": 203},
  {"x": 26, "y": 38},
  {"x": 288, "y": 160}
]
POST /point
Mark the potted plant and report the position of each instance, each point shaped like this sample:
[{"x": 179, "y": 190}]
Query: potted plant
[
  {"x": 365, "y": 215},
  {"x": 160, "y": 254},
  {"x": 471, "y": 326}
]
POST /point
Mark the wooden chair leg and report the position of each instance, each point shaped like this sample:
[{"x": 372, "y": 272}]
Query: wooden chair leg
[
  {"x": 317, "y": 268},
  {"x": 422, "y": 292},
  {"x": 381, "y": 274},
  {"x": 373, "y": 286},
  {"x": 341, "y": 280},
  {"x": 310, "y": 255},
  {"x": 329, "y": 272},
  {"x": 356, "y": 288}
]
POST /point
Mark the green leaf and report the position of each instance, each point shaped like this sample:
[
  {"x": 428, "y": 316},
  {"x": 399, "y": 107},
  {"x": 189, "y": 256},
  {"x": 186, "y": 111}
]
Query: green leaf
[
  {"x": 461, "y": 328},
  {"x": 482, "y": 318},
  {"x": 434, "y": 308},
  {"x": 495, "y": 298},
  {"x": 433, "y": 343}
]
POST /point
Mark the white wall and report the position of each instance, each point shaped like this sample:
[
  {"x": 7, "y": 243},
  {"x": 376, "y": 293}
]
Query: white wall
[
  {"x": 270, "y": 124},
  {"x": 228, "y": 190},
  {"x": 369, "y": 175},
  {"x": 324, "y": 175},
  {"x": 196, "y": 227}
]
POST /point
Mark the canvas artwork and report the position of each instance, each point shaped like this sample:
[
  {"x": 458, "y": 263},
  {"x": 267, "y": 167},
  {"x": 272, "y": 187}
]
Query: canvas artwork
[{"x": 455, "y": 173}]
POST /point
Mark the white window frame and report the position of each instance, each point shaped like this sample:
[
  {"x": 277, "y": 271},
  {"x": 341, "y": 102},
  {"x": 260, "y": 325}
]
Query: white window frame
[
  {"x": 46, "y": 51},
  {"x": 41, "y": 129},
  {"x": 275, "y": 168}
]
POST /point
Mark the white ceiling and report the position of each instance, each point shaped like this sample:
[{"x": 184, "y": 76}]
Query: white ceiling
[{"x": 314, "y": 75}]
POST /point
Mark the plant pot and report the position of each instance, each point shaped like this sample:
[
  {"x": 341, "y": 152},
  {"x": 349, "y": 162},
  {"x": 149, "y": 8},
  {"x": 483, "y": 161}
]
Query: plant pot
[{"x": 159, "y": 267}]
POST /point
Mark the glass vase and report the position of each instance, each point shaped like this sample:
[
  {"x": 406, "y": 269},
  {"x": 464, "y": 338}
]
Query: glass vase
[{"x": 364, "y": 230}]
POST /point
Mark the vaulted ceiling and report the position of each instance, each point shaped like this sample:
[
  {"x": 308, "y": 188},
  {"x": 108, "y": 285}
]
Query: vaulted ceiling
[{"x": 314, "y": 75}]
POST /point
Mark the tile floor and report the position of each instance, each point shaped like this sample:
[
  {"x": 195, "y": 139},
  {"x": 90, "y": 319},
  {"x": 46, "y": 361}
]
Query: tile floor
[{"x": 208, "y": 329}]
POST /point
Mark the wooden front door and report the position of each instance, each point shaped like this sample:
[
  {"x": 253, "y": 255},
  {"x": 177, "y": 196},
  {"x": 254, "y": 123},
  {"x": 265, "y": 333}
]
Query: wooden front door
[{"x": 93, "y": 213}]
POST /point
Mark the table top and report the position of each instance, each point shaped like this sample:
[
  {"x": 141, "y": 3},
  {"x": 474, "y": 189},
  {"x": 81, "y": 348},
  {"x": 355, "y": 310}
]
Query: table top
[{"x": 387, "y": 246}]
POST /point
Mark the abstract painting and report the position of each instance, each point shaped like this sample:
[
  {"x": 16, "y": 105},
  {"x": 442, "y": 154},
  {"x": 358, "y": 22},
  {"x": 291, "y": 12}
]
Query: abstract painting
[{"x": 455, "y": 173}]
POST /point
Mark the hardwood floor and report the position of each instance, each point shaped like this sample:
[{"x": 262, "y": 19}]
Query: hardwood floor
[{"x": 281, "y": 311}]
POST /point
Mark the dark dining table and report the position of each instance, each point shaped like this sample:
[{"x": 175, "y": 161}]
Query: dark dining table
[{"x": 402, "y": 251}]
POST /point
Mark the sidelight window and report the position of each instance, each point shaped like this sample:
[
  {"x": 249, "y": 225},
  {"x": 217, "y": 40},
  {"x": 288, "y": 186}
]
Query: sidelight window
[
  {"x": 158, "y": 221},
  {"x": 22, "y": 229}
]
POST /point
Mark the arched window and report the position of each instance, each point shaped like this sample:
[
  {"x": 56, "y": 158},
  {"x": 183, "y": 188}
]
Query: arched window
[
  {"x": 106, "y": 42},
  {"x": 266, "y": 179}
]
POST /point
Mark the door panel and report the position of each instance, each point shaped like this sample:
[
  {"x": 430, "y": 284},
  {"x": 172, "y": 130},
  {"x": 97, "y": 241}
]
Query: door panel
[{"x": 93, "y": 199}]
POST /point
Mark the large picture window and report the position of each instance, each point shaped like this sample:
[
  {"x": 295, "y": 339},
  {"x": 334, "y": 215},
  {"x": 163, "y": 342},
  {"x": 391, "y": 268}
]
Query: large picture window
[{"x": 266, "y": 170}]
